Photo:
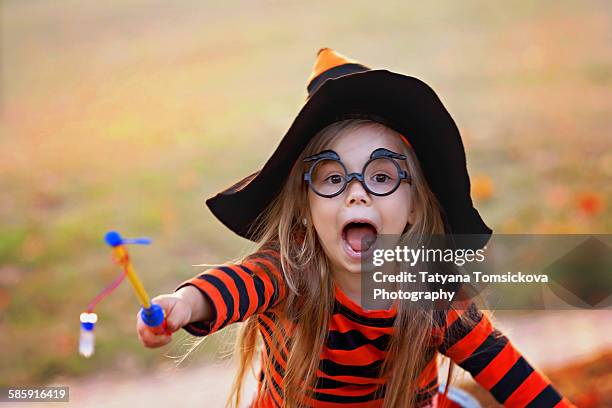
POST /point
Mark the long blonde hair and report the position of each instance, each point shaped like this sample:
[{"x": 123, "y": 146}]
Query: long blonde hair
[{"x": 310, "y": 296}]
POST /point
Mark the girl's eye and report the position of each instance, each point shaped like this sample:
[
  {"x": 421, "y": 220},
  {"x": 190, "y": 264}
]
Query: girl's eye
[
  {"x": 381, "y": 178},
  {"x": 335, "y": 179}
]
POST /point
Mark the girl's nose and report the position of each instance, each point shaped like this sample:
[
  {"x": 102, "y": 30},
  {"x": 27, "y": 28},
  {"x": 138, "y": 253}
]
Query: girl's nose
[{"x": 356, "y": 193}]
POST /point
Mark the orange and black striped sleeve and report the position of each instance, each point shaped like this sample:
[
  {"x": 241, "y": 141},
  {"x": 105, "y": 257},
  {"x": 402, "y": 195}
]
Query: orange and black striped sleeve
[
  {"x": 238, "y": 291},
  {"x": 493, "y": 361}
]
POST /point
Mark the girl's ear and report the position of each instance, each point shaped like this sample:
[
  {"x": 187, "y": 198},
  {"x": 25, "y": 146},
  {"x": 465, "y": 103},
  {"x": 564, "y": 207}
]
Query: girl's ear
[{"x": 412, "y": 217}]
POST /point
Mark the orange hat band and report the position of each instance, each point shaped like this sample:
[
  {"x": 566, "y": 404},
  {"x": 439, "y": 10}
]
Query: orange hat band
[{"x": 334, "y": 72}]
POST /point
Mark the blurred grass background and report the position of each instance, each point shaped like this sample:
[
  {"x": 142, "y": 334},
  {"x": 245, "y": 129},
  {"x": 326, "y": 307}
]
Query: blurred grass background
[{"x": 127, "y": 115}]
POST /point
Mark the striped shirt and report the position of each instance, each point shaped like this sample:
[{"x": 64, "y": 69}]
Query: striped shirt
[{"x": 357, "y": 341}]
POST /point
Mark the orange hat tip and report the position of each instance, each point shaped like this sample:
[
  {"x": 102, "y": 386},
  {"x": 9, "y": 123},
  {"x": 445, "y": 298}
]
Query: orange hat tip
[{"x": 322, "y": 49}]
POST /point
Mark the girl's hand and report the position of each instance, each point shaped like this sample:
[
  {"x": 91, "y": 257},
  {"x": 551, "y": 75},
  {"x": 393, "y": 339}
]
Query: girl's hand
[{"x": 178, "y": 313}]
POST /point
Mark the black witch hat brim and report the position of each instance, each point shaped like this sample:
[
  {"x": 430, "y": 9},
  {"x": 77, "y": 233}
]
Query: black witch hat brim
[{"x": 403, "y": 103}]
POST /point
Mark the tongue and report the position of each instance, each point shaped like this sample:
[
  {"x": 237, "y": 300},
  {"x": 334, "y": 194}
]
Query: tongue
[{"x": 355, "y": 233}]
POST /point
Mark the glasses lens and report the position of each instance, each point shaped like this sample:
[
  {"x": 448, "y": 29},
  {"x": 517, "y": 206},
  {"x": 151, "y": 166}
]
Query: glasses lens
[
  {"x": 382, "y": 175},
  {"x": 328, "y": 177}
]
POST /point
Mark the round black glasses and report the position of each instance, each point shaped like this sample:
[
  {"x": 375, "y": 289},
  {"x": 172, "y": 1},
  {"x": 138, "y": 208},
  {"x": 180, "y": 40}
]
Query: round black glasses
[{"x": 381, "y": 175}]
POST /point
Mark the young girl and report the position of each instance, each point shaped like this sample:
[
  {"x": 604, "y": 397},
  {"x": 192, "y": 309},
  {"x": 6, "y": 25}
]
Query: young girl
[{"x": 343, "y": 174}]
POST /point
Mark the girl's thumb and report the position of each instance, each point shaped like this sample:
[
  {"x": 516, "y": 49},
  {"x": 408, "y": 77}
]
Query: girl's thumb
[
  {"x": 173, "y": 322},
  {"x": 177, "y": 313}
]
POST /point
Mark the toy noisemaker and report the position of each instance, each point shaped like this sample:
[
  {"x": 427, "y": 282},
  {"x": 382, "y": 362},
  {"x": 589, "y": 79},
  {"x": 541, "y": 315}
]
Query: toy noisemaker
[{"x": 152, "y": 315}]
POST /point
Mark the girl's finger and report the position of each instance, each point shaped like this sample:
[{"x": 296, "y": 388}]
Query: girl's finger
[
  {"x": 148, "y": 338},
  {"x": 151, "y": 339}
]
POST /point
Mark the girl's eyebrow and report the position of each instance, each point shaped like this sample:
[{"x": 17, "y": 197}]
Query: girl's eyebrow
[
  {"x": 381, "y": 151},
  {"x": 328, "y": 153},
  {"x": 325, "y": 153}
]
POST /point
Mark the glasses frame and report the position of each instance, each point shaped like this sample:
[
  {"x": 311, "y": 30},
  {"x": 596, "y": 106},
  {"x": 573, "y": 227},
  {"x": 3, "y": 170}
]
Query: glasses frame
[{"x": 348, "y": 177}]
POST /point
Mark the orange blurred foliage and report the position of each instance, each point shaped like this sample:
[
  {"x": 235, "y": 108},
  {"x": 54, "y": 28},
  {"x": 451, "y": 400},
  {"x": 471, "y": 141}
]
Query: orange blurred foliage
[
  {"x": 482, "y": 187},
  {"x": 590, "y": 202}
]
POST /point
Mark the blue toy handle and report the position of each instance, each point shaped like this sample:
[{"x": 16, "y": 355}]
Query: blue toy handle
[{"x": 155, "y": 318}]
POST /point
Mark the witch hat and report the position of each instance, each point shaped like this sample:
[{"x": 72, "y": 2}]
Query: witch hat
[{"x": 341, "y": 88}]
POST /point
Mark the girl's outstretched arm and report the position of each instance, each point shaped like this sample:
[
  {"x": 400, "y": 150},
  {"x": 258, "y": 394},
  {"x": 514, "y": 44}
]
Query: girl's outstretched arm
[
  {"x": 236, "y": 292},
  {"x": 494, "y": 362}
]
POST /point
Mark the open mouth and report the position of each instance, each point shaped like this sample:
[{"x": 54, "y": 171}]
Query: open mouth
[{"x": 358, "y": 238}]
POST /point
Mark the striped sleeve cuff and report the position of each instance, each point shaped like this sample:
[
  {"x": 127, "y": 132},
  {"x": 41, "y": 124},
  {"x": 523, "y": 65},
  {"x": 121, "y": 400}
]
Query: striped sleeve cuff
[
  {"x": 219, "y": 307},
  {"x": 238, "y": 291}
]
